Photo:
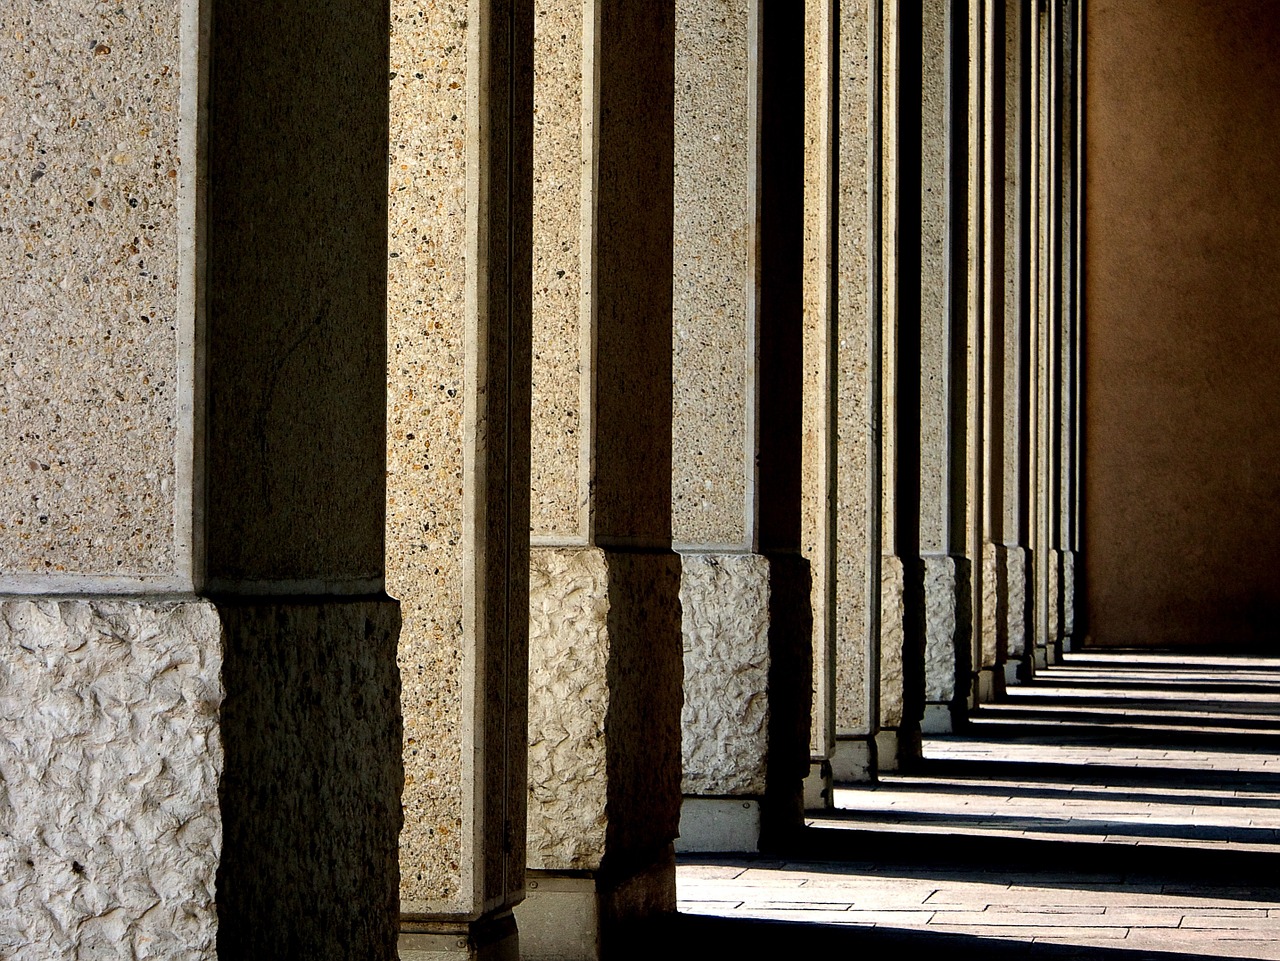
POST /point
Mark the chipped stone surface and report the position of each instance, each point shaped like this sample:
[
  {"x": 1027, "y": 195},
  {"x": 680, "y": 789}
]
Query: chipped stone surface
[
  {"x": 892, "y": 636},
  {"x": 1069, "y": 593},
  {"x": 940, "y": 629},
  {"x": 558, "y": 371},
  {"x": 991, "y": 619},
  {"x": 89, "y": 172},
  {"x": 568, "y": 704},
  {"x": 605, "y": 688},
  {"x": 425, "y": 394},
  {"x": 1016, "y": 605},
  {"x": 1055, "y": 600},
  {"x": 713, "y": 344},
  {"x": 724, "y": 725},
  {"x": 110, "y": 831}
]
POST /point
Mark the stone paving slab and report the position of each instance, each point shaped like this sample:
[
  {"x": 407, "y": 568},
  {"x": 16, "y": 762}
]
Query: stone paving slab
[{"x": 1211, "y": 797}]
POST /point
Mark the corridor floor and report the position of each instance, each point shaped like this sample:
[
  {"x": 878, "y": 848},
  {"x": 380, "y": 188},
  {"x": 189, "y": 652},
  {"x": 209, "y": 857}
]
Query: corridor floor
[{"x": 1123, "y": 806}]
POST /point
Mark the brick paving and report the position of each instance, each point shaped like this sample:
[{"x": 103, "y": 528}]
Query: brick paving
[{"x": 1122, "y": 806}]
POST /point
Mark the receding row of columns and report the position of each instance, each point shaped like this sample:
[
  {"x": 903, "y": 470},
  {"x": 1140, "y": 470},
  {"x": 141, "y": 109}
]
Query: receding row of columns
[{"x": 729, "y": 446}]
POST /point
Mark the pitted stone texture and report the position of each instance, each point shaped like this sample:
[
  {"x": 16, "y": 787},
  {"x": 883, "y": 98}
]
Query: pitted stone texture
[
  {"x": 1069, "y": 593},
  {"x": 1016, "y": 607},
  {"x": 725, "y": 722},
  {"x": 558, "y": 370},
  {"x": 89, "y": 255},
  {"x": 311, "y": 787},
  {"x": 425, "y": 394},
  {"x": 605, "y": 689},
  {"x": 1055, "y": 600},
  {"x": 990, "y": 614},
  {"x": 892, "y": 637},
  {"x": 568, "y": 705},
  {"x": 713, "y": 344},
  {"x": 110, "y": 758},
  {"x": 940, "y": 629}
]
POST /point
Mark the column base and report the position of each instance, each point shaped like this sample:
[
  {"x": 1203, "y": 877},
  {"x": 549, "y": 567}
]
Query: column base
[
  {"x": 710, "y": 825},
  {"x": 938, "y": 719},
  {"x": 853, "y": 761},
  {"x": 1040, "y": 659},
  {"x": 887, "y": 750},
  {"x": 490, "y": 939},
  {"x": 586, "y": 916},
  {"x": 817, "y": 786},
  {"x": 988, "y": 685}
]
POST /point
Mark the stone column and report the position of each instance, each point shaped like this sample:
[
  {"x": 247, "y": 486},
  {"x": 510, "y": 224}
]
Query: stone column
[
  {"x": 854, "y": 317},
  {"x": 898, "y": 733},
  {"x": 745, "y": 716},
  {"x": 817, "y": 447},
  {"x": 605, "y": 651},
  {"x": 981, "y": 684},
  {"x": 944, "y": 368},
  {"x": 1008, "y": 420},
  {"x": 1069, "y": 323},
  {"x": 194, "y": 406},
  {"x": 457, "y": 442}
]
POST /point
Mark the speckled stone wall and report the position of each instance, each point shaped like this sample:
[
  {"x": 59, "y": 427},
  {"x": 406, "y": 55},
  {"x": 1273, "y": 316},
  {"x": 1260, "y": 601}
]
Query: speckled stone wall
[
  {"x": 855, "y": 319},
  {"x": 935, "y": 313},
  {"x": 457, "y": 443},
  {"x": 110, "y": 831},
  {"x": 561, "y": 342},
  {"x": 91, "y": 396},
  {"x": 715, "y": 290},
  {"x": 426, "y": 350}
]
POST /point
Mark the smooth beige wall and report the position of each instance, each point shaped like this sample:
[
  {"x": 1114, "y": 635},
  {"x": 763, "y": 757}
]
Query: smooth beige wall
[{"x": 1182, "y": 322}]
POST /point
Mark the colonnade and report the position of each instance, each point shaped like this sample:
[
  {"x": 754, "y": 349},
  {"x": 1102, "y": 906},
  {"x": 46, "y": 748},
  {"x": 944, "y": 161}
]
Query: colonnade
[{"x": 730, "y": 444}]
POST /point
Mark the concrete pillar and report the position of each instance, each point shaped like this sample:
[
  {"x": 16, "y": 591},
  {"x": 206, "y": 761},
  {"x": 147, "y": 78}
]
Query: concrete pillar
[
  {"x": 855, "y": 317},
  {"x": 743, "y": 596},
  {"x": 194, "y": 412},
  {"x": 605, "y": 682},
  {"x": 817, "y": 452},
  {"x": 982, "y": 653},
  {"x": 842, "y": 358},
  {"x": 457, "y": 442},
  {"x": 1068, "y": 325},
  {"x": 898, "y": 732},
  {"x": 1009, "y": 358},
  {"x": 944, "y": 366}
]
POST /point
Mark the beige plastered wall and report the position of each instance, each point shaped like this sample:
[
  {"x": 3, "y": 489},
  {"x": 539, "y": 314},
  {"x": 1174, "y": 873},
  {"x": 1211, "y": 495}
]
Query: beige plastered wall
[{"x": 1182, "y": 322}]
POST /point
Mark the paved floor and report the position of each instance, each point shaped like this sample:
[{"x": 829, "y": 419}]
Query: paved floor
[{"x": 1123, "y": 806}]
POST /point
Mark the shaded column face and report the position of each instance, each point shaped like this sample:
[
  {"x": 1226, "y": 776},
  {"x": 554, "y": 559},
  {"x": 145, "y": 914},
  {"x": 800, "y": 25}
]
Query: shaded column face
[{"x": 605, "y": 668}]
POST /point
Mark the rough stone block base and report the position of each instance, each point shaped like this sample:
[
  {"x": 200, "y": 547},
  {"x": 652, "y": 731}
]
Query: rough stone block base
[
  {"x": 943, "y": 584},
  {"x": 159, "y": 750},
  {"x": 853, "y": 761},
  {"x": 887, "y": 747},
  {"x": 719, "y": 826},
  {"x": 589, "y": 916},
  {"x": 892, "y": 615},
  {"x": 988, "y": 686},
  {"x": 817, "y": 786},
  {"x": 938, "y": 719},
  {"x": 311, "y": 790},
  {"x": 489, "y": 939}
]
